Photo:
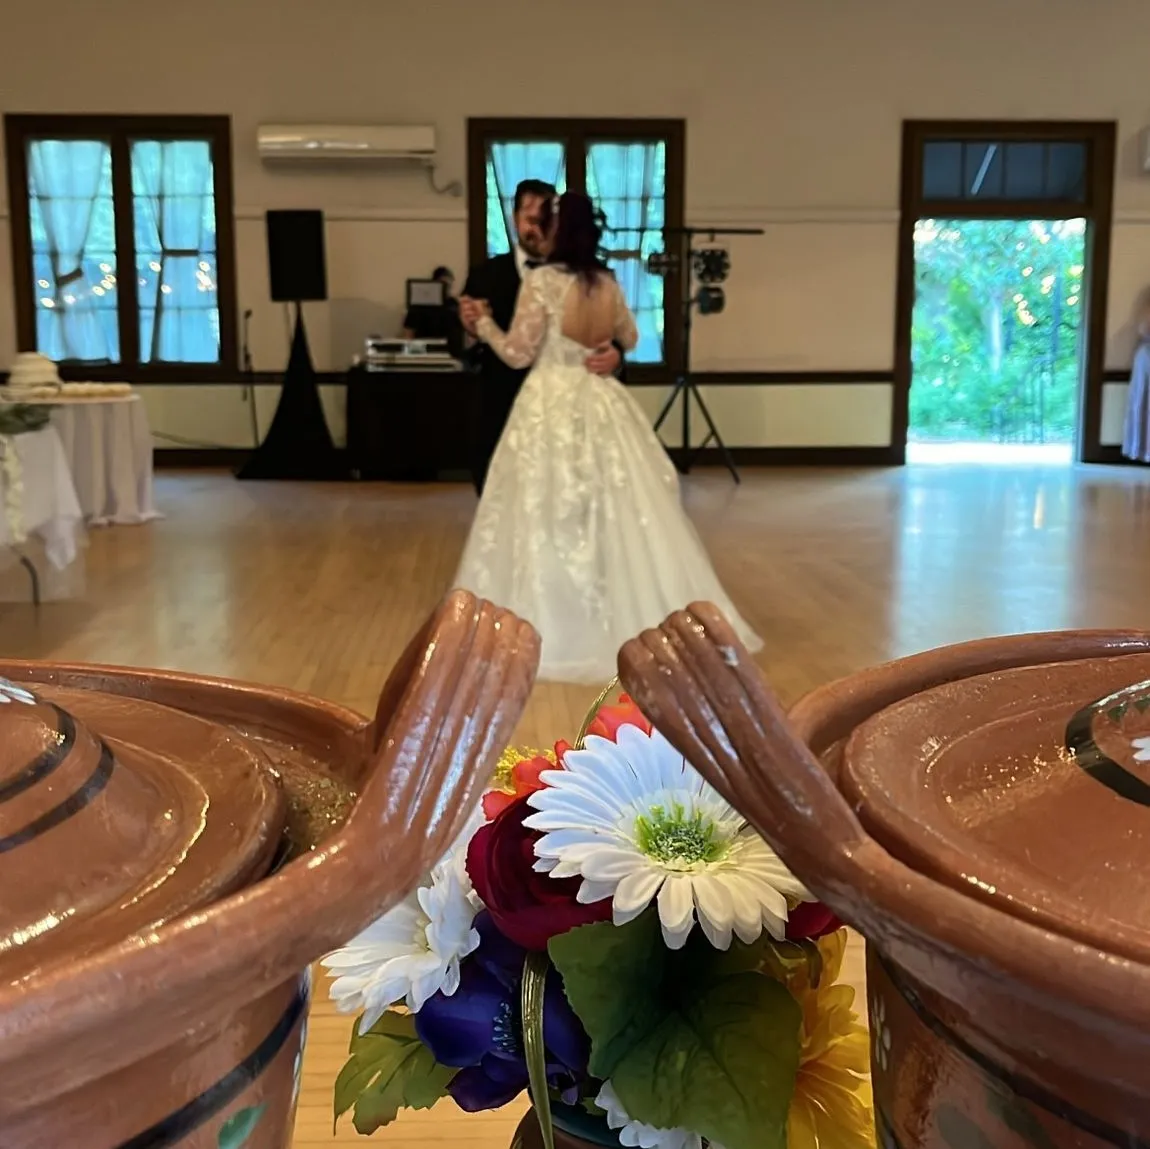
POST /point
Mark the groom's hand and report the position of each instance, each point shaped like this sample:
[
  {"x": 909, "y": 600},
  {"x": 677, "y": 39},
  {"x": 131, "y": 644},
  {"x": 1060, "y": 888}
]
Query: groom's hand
[
  {"x": 604, "y": 360},
  {"x": 468, "y": 313}
]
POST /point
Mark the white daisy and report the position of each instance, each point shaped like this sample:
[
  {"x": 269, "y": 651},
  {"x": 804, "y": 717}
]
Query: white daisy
[
  {"x": 635, "y": 1133},
  {"x": 637, "y": 823},
  {"x": 10, "y": 692},
  {"x": 414, "y": 950},
  {"x": 1141, "y": 748}
]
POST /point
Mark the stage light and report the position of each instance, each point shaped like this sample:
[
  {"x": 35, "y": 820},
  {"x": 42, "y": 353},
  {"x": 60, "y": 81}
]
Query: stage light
[
  {"x": 662, "y": 262},
  {"x": 711, "y": 264},
  {"x": 711, "y": 300}
]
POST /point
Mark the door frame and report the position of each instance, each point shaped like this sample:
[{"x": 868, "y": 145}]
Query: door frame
[{"x": 1096, "y": 207}]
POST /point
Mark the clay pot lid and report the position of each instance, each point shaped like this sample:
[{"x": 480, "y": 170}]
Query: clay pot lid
[
  {"x": 1026, "y": 788},
  {"x": 117, "y": 814}
]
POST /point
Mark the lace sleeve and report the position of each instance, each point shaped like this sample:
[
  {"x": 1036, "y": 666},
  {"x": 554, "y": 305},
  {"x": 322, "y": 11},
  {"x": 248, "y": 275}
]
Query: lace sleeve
[
  {"x": 519, "y": 346},
  {"x": 626, "y": 333}
]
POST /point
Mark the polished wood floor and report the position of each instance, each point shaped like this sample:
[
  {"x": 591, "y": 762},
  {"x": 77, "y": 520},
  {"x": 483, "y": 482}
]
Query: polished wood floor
[{"x": 318, "y": 588}]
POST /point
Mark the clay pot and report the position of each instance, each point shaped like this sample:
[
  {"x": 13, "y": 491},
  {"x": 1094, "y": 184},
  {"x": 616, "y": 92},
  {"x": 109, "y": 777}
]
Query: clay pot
[
  {"x": 176, "y": 851},
  {"x": 979, "y": 814}
]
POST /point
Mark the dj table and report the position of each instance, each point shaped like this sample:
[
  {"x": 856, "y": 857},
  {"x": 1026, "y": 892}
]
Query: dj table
[{"x": 411, "y": 426}]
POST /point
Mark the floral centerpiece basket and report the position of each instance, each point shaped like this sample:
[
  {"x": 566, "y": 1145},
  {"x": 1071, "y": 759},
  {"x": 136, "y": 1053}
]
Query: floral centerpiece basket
[{"x": 611, "y": 937}]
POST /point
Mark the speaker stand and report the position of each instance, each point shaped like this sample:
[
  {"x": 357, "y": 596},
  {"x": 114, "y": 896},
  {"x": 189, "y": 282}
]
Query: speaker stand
[{"x": 298, "y": 445}]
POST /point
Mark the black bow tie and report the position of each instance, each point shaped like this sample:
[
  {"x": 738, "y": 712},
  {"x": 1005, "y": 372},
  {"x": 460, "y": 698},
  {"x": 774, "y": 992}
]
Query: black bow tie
[{"x": 532, "y": 264}]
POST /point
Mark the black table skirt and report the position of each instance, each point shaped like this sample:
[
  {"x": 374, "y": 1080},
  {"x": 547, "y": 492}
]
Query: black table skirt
[{"x": 411, "y": 426}]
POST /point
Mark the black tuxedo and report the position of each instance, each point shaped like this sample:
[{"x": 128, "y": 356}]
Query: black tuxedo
[{"x": 496, "y": 280}]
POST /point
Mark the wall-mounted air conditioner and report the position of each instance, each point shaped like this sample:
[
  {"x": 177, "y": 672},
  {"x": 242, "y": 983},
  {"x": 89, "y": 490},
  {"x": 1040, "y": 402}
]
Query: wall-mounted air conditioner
[{"x": 322, "y": 142}]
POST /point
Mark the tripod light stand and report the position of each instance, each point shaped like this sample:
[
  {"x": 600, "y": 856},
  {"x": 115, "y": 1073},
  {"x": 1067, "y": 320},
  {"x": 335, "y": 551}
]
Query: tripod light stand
[{"x": 710, "y": 266}]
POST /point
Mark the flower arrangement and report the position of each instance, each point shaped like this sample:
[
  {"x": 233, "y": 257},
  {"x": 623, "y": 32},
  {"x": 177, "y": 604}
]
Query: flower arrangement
[
  {"x": 610, "y": 935},
  {"x": 16, "y": 419}
]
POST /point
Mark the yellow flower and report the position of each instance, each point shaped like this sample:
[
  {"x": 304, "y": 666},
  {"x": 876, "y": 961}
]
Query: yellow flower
[
  {"x": 831, "y": 1108},
  {"x": 509, "y": 759}
]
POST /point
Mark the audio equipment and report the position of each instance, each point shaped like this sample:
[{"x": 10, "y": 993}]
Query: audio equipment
[{"x": 297, "y": 266}]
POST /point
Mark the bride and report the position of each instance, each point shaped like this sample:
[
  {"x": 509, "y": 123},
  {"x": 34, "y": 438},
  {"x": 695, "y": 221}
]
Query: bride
[{"x": 580, "y": 528}]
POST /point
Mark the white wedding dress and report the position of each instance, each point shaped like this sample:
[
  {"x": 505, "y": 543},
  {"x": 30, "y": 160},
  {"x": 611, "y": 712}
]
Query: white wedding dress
[{"x": 580, "y": 529}]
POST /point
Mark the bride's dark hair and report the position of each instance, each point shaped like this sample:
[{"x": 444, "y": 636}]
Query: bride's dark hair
[{"x": 578, "y": 236}]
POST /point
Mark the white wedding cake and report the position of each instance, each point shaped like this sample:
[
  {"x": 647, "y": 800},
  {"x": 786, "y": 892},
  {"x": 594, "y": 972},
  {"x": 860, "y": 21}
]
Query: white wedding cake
[
  {"x": 34, "y": 377},
  {"x": 33, "y": 374}
]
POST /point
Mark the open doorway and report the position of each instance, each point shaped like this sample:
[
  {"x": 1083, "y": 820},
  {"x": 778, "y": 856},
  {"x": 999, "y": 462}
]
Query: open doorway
[
  {"x": 996, "y": 340},
  {"x": 1003, "y": 261}
]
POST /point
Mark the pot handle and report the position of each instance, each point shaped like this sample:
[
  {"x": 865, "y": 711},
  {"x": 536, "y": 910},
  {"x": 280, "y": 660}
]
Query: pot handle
[
  {"x": 448, "y": 709},
  {"x": 445, "y": 713},
  {"x": 696, "y": 682}
]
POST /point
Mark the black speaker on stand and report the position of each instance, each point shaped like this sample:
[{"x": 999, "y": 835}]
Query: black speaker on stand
[{"x": 298, "y": 444}]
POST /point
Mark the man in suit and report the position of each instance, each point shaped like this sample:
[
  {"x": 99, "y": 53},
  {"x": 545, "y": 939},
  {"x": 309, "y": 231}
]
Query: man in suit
[{"x": 497, "y": 280}]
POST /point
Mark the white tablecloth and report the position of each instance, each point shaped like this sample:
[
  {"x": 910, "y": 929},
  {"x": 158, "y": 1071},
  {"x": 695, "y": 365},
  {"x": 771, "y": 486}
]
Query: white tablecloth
[
  {"x": 108, "y": 445},
  {"x": 49, "y": 506}
]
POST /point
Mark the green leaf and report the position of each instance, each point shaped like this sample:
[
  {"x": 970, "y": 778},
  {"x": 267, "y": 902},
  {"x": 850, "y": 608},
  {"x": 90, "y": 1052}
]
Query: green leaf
[
  {"x": 786, "y": 959},
  {"x": 235, "y": 1132},
  {"x": 389, "y": 1069},
  {"x": 608, "y": 973},
  {"x": 698, "y": 1038}
]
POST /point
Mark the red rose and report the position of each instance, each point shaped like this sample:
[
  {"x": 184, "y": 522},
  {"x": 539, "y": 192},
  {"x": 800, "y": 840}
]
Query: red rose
[
  {"x": 624, "y": 713},
  {"x": 528, "y": 907},
  {"x": 809, "y": 921},
  {"x": 524, "y": 780}
]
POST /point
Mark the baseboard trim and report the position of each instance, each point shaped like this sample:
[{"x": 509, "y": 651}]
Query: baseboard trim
[
  {"x": 794, "y": 457},
  {"x": 199, "y": 458},
  {"x": 232, "y": 458},
  {"x": 1108, "y": 455},
  {"x": 837, "y": 378}
]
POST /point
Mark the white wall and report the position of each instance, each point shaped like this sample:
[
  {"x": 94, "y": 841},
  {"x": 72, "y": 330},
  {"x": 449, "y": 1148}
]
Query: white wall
[{"x": 793, "y": 112}]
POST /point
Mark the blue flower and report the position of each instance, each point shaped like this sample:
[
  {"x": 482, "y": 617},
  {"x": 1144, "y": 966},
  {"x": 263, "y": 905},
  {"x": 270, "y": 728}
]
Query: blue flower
[{"x": 478, "y": 1029}]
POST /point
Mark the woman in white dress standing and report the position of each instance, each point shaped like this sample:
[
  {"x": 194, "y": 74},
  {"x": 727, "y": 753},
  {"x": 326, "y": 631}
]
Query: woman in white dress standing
[{"x": 580, "y": 529}]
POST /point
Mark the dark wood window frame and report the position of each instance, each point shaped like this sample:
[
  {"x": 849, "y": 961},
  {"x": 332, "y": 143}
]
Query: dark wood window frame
[
  {"x": 1096, "y": 206},
  {"x": 19, "y": 130},
  {"x": 577, "y": 133}
]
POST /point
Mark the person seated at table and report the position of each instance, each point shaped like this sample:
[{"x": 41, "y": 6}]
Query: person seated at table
[{"x": 424, "y": 321}]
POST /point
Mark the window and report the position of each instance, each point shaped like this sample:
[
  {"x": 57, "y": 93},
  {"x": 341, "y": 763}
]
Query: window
[
  {"x": 1025, "y": 169},
  {"x": 122, "y": 243},
  {"x": 633, "y": 169}
]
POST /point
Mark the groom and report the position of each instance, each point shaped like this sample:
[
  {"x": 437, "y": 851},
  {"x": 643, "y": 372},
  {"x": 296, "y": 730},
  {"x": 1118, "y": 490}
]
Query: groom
[{"x": 497, "y": 280}]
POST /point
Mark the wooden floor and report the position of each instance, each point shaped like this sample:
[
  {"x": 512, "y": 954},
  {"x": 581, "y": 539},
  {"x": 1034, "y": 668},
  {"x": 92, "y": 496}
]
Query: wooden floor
[{"x": 318, "y": 588}]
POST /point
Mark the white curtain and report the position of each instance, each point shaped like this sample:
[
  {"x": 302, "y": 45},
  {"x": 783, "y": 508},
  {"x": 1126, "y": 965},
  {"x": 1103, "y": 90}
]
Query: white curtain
[
  {"x": 73, "y": 249},
  {"x": 508, "y": 164},
  {"x": 173, "y": 198},
  {"x": 628, "y": 182}
]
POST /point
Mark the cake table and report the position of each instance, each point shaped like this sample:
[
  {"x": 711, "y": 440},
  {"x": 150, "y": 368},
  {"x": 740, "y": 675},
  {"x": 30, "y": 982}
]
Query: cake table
[
  {"x": 108, "y": 445},
  {"x": 105, "y": 435},
  {"x": 52, "y": 521}
]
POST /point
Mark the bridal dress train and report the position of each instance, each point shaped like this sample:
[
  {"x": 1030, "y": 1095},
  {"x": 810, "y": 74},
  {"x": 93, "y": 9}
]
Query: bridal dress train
[{"x": 580, "y": 529}]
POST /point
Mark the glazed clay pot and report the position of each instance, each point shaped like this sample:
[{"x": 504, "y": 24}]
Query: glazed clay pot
[
  {"x": 176, "y": 851},
  {"x": 980, "y": 814}
]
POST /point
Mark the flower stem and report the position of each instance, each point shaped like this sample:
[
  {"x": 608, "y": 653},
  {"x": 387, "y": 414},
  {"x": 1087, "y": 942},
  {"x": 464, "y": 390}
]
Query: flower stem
[
  {"x": 610, "y": 689},
  {"x": 535, "y": 970}
]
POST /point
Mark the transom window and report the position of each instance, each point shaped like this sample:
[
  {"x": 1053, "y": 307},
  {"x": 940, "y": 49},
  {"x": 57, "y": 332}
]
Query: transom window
[
  {"x": 1004, "y": 169},
  {"x": 122, "y": 242},
  {"x": 632, "y": 169}
]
